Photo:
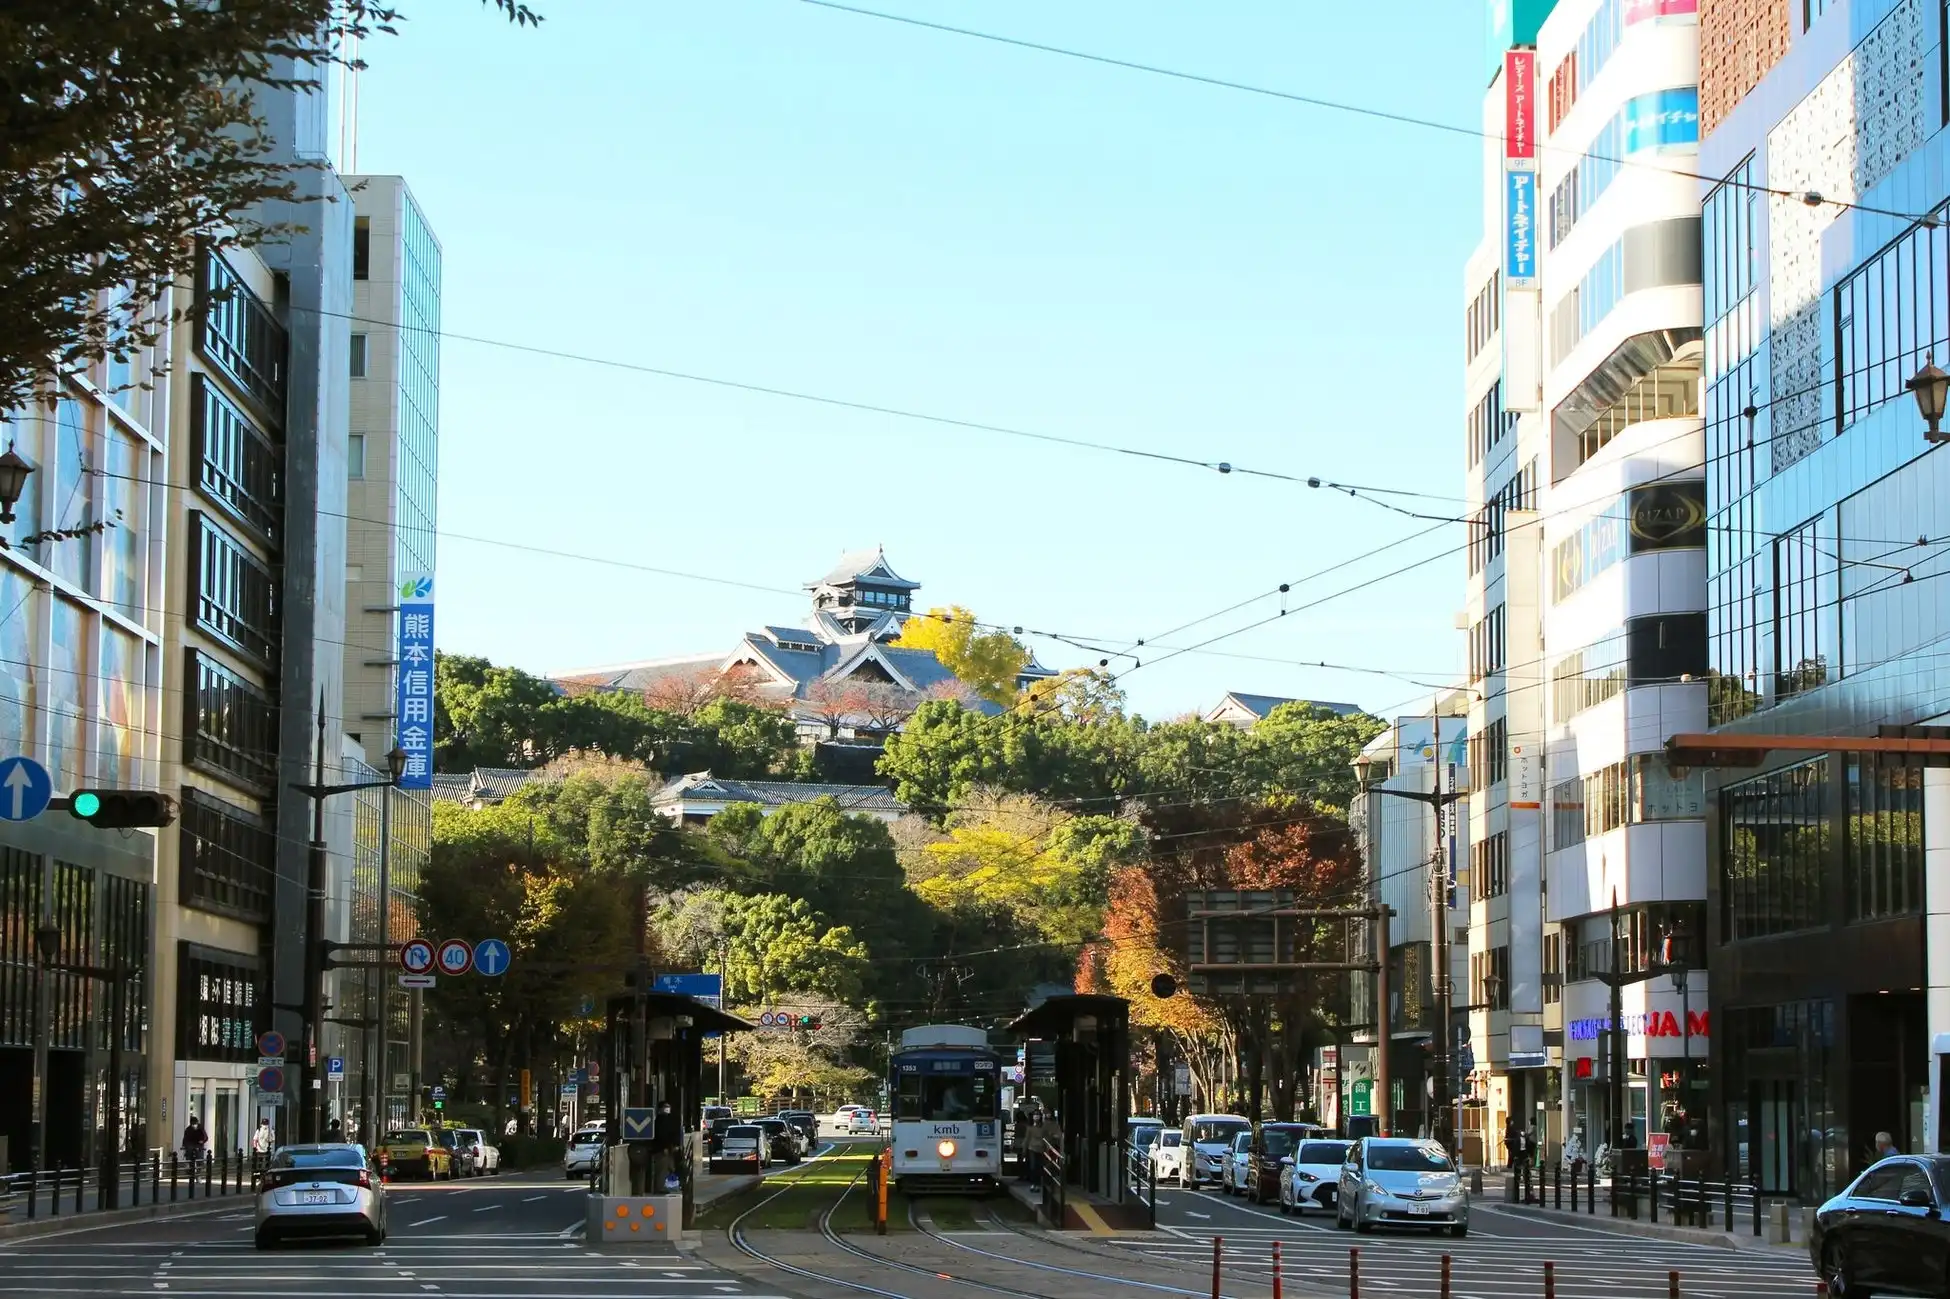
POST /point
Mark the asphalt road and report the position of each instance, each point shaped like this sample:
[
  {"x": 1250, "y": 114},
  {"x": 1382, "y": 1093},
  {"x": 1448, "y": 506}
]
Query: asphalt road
[
  {"x": 511, "y": 1237},
  {"x": 1502, "y": 1257}
]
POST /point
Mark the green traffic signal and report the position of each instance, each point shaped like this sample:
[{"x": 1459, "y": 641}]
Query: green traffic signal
[
  {"x": 85, "y": 804},
  {"x": 121, "y": 809}
]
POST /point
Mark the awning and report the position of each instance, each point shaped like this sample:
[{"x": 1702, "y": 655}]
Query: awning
[{"x": 1058, "y": 1015}]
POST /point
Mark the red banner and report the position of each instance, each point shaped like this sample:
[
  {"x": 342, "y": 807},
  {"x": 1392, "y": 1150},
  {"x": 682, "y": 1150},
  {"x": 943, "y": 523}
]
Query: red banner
[{"x": 1520, "y": 104}]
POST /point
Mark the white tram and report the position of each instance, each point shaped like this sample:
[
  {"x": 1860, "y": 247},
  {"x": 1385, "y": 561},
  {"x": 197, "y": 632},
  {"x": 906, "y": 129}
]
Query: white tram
[{"x": 945, "y": 1085}]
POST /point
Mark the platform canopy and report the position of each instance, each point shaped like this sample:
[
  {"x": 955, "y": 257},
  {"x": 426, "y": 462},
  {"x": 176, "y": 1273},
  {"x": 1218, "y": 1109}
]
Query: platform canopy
[{"x": 1059, "y": 1016}]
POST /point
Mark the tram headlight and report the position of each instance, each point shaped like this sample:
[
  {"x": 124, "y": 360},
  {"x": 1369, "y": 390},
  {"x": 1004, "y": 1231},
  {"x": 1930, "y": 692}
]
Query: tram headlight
[{"x": 946, "y": 1149}]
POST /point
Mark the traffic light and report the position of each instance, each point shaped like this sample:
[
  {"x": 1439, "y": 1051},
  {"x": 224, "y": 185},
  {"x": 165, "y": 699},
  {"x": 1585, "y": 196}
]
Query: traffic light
[
  {"x": 121, "y": 809},
  {"x": 805, "y": 1021},
  {"x": 439, "y": 1105}
]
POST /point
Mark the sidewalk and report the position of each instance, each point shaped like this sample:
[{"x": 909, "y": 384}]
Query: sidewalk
[{"x": 1494, "y": 1199}]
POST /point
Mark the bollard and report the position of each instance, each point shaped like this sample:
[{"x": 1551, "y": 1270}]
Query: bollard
[
  {"x": 172, "y": 1177},
  {"x": 1354, "y": 1273},
  {"x": 155, "y": 1177},
  {"x": 1753, "y": 1189},
  {"x": 1550, "y": 1280},
  {"x": 1672, "y": 1285},
  {"x": 1218, "y": 1244},
  {"x": 1557, "y": 1186},
  {"x": 209, "y": 1167},
  {"x": 1574, "y": 1188},
  {"x": 1445, "y": 1277},
  {"x": 1591, "y": 1188},
  {"x": 80, "y": 1177},
  {"x": 1729, "y": 1203},
  {"x": 1652, "y": 1180},
  {"x": 1276, "y": 1270},
  {"x": 54, "y": 1192}
]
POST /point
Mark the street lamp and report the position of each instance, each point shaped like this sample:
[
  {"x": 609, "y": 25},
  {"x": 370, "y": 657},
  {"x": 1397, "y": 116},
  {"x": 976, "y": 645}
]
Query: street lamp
[
  {"x": 14, "y": 469},
  {"x": 1931, "y": 386}
]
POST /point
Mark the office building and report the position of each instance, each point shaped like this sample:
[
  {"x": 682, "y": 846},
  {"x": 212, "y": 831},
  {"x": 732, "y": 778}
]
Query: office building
[
  {"x": 1825, "y": 293},
  {"x": 392, "y": 463}
]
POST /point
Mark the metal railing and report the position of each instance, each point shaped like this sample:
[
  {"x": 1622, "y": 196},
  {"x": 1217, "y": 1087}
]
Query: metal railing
[
  {"x": 1050, "y": 1167},
  {"x": 130, "y": 1181},
  {"x": 1725, "y": 1205}
]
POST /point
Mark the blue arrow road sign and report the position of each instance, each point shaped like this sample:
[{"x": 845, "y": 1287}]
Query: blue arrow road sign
[
  {"x": 639, "y": 1124},
  {"x": 491, "y": 957},
  {"x": 335, "y": 1066},
  {"x": 24, "y": 789}
]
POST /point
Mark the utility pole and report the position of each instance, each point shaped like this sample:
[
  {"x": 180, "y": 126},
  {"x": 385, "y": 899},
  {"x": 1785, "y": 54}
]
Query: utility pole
[
  {"x": 1439, "y": 934},
  {"x": 1384, "y": 1026},
  {"x": 724, "y": 997}
]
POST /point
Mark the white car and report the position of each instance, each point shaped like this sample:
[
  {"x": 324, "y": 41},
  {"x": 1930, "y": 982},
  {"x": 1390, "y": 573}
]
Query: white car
[
  {"x": 1313, "y": 1179},
  {"x": 1168, "y": 1156},
  {"x": 1210, "y": 1137},
  {"x": 585, "y": 1152},
  {"x": 863, "y": 1120},
  {"x": 486, "y": 1157},
  {"x": 320, "y": 1190}
]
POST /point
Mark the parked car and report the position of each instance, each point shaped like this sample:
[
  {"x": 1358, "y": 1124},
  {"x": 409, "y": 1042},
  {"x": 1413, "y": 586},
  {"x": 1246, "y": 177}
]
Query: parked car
[
  {"x": 584, "y": 1152},
  {"x": 465, "y": 1159},
  {"x": 1167, "y": 1155},
  {"x": 320, "y": 1190},
  {"x": 1209, "y": 1138},
  {"x": 1400, "y": 1182},
  {"x": 782, "y": 1140},
  {"x": 1234, "y": 1168},
  {"x": 1312, "y": 1176},
  {"x": 486, "y": 1157},
  {"x": 413, "y": 1152},
  {"x": 806, "y": 1121},
  {"x": 1140, "y": 1134},
  {"x": 714, "y": 1132},
  {"x": 1886, "y": 1233},
  {"x": 1257, "y": 1177},
  {"x": 743, "y": 1150}
]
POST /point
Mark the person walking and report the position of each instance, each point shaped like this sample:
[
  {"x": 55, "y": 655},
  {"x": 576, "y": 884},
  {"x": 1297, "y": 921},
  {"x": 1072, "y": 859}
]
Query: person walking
[
  {"x": 261, "y": 1142},
  {"x": 194, "y": 1141},
  {"x": 1524, "y": 1154},
  {"x": 667, "y": 1143}
]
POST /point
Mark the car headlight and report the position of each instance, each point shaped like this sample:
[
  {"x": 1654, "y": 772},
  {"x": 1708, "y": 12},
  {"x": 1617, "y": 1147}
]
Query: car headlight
[
  {"x": 1376, "y": 1188},
  {"x": 1307, "y": 1177}
]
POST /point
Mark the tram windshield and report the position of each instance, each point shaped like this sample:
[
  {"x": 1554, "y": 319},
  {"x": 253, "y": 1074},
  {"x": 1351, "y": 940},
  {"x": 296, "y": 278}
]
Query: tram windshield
[{"x": 945, "y": 1098}]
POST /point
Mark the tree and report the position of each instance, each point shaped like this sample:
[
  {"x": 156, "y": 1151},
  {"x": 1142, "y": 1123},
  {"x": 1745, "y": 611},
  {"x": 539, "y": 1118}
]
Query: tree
[
  {"x": 775, "y": 945},
  {"x": 129, "y": 131},
  {"x": 987, "y": 661},
  {"x": 686, "y": 693},
  {"x": 1087, "y": 695}
]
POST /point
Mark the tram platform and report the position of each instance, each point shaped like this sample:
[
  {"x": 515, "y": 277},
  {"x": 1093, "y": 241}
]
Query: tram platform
[{"x": 1083, "y": 1210}]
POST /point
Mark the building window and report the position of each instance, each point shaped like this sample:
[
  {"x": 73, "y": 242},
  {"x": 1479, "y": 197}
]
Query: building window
[
  {"x": 1889, "y": 316},
  {"x": 1657, "y": 255},
  {"x": 1480, "y": 321},
  {"x": 234, "y": 597},
  {"x": 1487, "y": 645},
  {"x": 238, "y": 468},
  {"x": 358, "y": 356},
  {"x": 1553, "y": 967},
  {"x": 1804, "y": 606},
  {"x": 229, "y": 858},
  {"x": 1489, "y": 979},
  {"x": 217, "y": 1005},
  {"x": 239, "y": 335},
  {"x": 1487, "y": 424},
  {"x": 1774, "y": 834},
  {"x": 232, "y": 726},
  {"x": 1660, "y": 119},
  {"x": 1488, "y": 528},
  {"x": 1489, "y": 866},
  {"x": 1813, "y": 9},
  {"x": 355, "y": 456},
  {"x": 1563, "y": 92},
  {"x": 1662, "y": 516},
  {"x": 1884, "y": 869},
  {"x": 361, "y": 248},
  {"x": 1489, "y": 755}
]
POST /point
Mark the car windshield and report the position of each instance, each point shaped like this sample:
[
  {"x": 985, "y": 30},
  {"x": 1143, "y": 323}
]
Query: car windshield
[
  {"x": 1144, "y": 1134},
  {"x": 773, "y": 1126},
  {"x": 1171, "y": 1140},
  {"x": 1409, "y": 1159},
  {"x": 468, "y": 1138},
  {"x": 586, "y": 1139},
  {"x": 1276, "y": 1143},
  {"x": 325, "y": 1157},
  {"x": 1206, "y": 1131},
  {"x": 1322, "y": 1152}
]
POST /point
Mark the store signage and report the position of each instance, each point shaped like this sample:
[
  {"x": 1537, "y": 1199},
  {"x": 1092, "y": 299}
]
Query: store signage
[
  {"x": 414, "y": 704},
  {"x": 1668, "y": 516},
  {"x": 1664, "y": 119},
  {"x": 1520, "y": 105},
  {"x": 1653, "y": 1023},
  {"x": 1520, "y": 229}
]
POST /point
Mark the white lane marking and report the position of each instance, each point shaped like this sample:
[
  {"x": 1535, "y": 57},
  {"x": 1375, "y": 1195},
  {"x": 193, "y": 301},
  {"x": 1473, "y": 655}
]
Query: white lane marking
[
  {"x": 534, "y": 1199},
  {"x": 487, "y": 1208},
  {"x": 438, "y": 1217},
  {"x": 1206, "y": 1216}
]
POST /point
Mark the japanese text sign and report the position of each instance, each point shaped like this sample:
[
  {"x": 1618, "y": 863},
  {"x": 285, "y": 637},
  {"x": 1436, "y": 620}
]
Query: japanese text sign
[{"x": 414, "y": 705}]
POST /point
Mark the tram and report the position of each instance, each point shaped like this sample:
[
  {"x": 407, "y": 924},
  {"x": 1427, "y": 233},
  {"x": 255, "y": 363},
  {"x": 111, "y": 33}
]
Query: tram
[{"x": 945, "y": 1085}]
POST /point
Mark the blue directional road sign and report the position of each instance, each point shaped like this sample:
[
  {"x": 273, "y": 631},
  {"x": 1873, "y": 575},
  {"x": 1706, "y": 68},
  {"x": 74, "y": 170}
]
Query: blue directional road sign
[
  {"x": 335, "y": 1068},
  {"x": 24, "y": 789},
  {"x": 639, "y": 1124},
  {"x": 491, "y": 957},
  {"x": 708, "y": 988},
  {"x": 270, "y": 1080}
]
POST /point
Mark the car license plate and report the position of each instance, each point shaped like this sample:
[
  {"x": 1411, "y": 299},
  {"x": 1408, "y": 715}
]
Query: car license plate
[
  {"x": 1419, "y": 1210},
  {"x": 316, "y": 1197}
]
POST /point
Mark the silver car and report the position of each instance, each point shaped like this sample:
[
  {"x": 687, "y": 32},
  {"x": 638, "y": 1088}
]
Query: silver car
[
  {"x": 321, "y": 1190},
  {"x": 1401, "y": 1182}
]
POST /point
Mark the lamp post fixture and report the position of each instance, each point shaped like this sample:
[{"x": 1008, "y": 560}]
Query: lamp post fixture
[
  {"x": 14, "y": 469},
  {"x": 1931, "y": 387},
  {"x": 313, "y": 1007}
]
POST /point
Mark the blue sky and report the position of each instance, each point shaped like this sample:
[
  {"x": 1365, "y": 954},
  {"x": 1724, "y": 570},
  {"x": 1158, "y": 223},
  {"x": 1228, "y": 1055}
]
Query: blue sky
[{"x": 774, "y": 193}]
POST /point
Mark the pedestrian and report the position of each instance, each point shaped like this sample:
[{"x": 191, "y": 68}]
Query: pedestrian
[
  {"x": 667, "y": 1140},
  {"x": 261, "y": 1143},
  {"x": 334, "y": 1132},
  {"x": 1525, "y": 1155},
  {"x": 194, "y": 1140},
  {"x": 1885, "y": 1146}
]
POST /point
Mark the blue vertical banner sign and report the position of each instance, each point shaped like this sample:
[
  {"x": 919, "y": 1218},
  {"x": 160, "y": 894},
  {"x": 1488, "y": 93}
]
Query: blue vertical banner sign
[
  {"x": 1519, "y": 229},
  {"x": 414, "y": 704}
]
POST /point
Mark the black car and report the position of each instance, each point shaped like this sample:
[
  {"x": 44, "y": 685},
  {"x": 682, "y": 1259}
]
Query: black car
[
  {"x": 1886, "y": 1234},
  {"x": 714, "y": 1132},
  {"x": 785, "y": 1145},
  {"x": 806, "y": 1121}
]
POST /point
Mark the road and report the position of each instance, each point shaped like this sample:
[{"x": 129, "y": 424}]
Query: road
[
  {"x": 511, "y": 1237},
  {"x": 1502, "y": 1257}
]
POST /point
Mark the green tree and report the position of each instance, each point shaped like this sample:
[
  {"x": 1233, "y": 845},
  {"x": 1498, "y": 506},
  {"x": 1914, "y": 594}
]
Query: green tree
[
  {"x": 987, "y": 662},
  {"x": 129, "y": 131},
  {"x": 776, "y": 945}
]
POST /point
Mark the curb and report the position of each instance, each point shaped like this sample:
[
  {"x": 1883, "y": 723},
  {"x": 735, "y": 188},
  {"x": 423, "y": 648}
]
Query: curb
[
  {"x": 1633, "y": 1227},
  {"x": 101, "y": 1220}
]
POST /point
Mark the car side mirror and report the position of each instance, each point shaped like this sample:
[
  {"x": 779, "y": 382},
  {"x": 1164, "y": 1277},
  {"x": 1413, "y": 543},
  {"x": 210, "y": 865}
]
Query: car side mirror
[{"x": 1917, "y": 1200}]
